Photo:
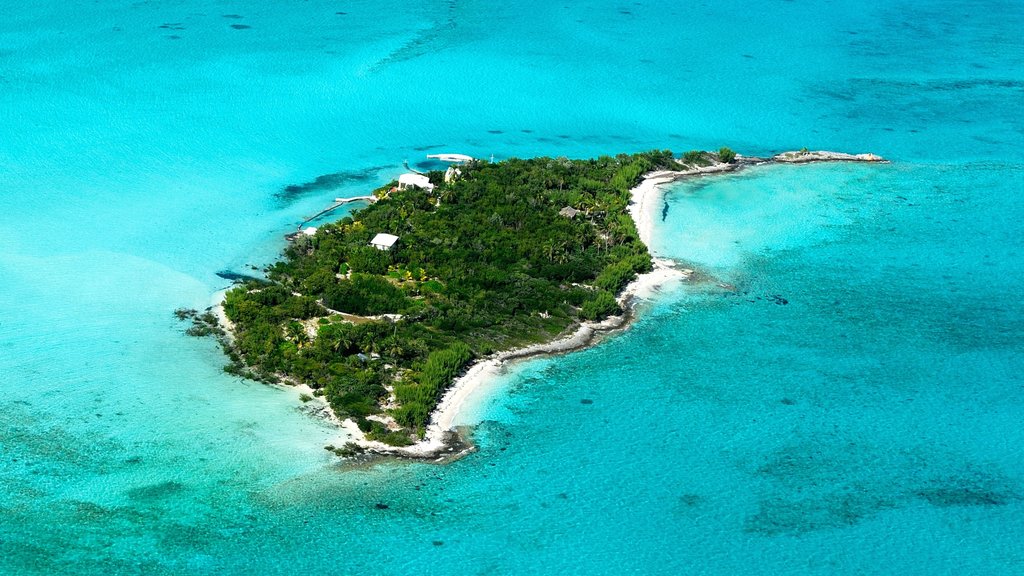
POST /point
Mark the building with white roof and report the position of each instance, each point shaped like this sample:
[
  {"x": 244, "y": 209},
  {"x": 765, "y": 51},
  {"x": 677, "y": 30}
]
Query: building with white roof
[
  {"x": 383, "y": 241},
  {"x": 411, "y": 180}
]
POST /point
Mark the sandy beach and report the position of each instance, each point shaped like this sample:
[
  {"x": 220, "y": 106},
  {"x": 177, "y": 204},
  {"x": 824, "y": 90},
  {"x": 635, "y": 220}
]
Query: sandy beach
[
  {"x": 472, "y": 386},
  {"x": 643, "y": 208},
  {"x": 441, "y": 440}
]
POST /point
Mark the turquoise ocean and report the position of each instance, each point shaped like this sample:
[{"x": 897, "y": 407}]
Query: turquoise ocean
[{"x": 854, "y": 405}]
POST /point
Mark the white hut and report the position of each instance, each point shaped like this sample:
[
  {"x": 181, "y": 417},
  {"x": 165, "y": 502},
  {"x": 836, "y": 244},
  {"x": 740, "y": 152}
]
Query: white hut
[
  {"x": 310, "y": 231},
  {"x": 411, "y": 180},
  {"x": 383, "y": 241}
]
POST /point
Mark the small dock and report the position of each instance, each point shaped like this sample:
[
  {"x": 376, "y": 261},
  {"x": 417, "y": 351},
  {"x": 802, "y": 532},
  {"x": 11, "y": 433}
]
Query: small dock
[
  {"x": 454, "y": 158},
  {"x": 338, "y": 203}
]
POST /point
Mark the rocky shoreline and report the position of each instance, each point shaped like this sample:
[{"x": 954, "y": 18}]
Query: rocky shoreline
[{"x": 794, "y": 157}]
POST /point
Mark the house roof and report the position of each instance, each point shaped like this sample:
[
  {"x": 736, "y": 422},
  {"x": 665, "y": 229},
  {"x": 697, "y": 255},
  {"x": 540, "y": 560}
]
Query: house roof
[
  {"x": 568, "y": 212},
  {"x": 387, "y": 240},
  {"x": 418, "y": 180},
  {"x": 311, "y": 230}
]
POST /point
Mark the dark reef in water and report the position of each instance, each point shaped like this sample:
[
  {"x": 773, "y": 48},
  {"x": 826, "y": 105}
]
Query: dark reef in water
[
  {"x": 155, "y": 491},
  {"x": 818, "y": 487},
  {"x": 441, "y": 36},
  {"x": 292, "y": 192},
  {"x": 237, "y": 276},
  {"x": 425, "y": 147}
]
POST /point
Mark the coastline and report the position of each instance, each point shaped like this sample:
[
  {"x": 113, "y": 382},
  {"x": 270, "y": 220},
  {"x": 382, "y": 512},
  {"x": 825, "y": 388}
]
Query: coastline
[
  {"x": 442, "y": 439},
  {"x": 648, "y": 192},
  {"x": 482, "y": 373}
]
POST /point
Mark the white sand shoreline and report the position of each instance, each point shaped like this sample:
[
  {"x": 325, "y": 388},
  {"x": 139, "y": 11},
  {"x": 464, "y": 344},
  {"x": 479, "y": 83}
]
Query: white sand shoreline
[
  {"x": 440, "y": 440},
  {"x": 483, "y": 373},
  {"x": 645, "y": 198}
]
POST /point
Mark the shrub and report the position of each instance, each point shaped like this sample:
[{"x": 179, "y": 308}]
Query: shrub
[
  {"x": 442, "y": 366},
  {"x": 396, "y": 438},
  {"x": 439, "y": 370},
  {"x": 377, "y": 431},
  {"x": 601, "y": 306},
  {"x": 370, "y": 260},
  {"x": 301, "y": 307},
  {"x": 364, "y": 294},
  {"x": 413, "y": 415},
  {"x": 615, "y": 276},
  {"x": 693, "y": 157},
  {"x": 725, "y": 154},
  {"x": 353, "y": 391}
]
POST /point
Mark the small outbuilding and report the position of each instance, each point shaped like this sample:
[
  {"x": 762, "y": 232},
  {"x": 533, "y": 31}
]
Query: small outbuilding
[
  {"x": 383, "y": 241},
  {"x": 411, "y": 180},
  {"x": 568, "y": 212},
  {"x": 310, "y": 231}
]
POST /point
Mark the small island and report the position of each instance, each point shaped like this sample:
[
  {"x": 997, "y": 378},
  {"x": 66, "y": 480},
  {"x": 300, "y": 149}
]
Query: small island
[{"x": 378, "y": 314}]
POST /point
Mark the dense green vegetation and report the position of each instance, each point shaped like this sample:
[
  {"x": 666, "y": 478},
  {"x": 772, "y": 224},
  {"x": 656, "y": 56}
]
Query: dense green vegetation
[
  {"x": 725, "y": 154},
  {"x": 483, "y": 263}
]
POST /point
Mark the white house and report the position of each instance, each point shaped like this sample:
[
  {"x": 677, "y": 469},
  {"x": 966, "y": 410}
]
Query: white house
[
  {"x": 411, "y": 180},
  {"x": 383, "y": 241},
  {"x": 310, "y": 231}
]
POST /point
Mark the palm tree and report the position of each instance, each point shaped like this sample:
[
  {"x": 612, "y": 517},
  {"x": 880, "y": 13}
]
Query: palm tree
[{"x": 297, "y": 333}]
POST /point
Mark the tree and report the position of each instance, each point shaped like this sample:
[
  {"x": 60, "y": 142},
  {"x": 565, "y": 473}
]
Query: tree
[
  {"x": 725, "y": 154},
  {"x": 601, "y": 306},
  {"x": 492, "y": 267}
]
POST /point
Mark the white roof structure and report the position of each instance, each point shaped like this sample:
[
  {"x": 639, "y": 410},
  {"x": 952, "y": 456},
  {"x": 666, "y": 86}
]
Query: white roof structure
[
  {"x": 414, "y": 180},
  {"x": 458, "y": 158},
  {"x": 309, "y": 231},
  {"x": 383, "y": 241},
  {"x": 452, "y": 174}
]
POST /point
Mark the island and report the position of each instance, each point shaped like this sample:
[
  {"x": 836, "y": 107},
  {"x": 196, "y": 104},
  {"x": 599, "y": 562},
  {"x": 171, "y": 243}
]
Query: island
[{"x": 445, "y": 275}]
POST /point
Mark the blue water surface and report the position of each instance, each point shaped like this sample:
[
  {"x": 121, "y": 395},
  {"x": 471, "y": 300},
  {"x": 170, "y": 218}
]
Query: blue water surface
[{"x": 838, "y": 390}]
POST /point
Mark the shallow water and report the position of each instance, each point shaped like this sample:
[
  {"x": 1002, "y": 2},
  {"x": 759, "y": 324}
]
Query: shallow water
[{"x": 868, "y": 425}]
